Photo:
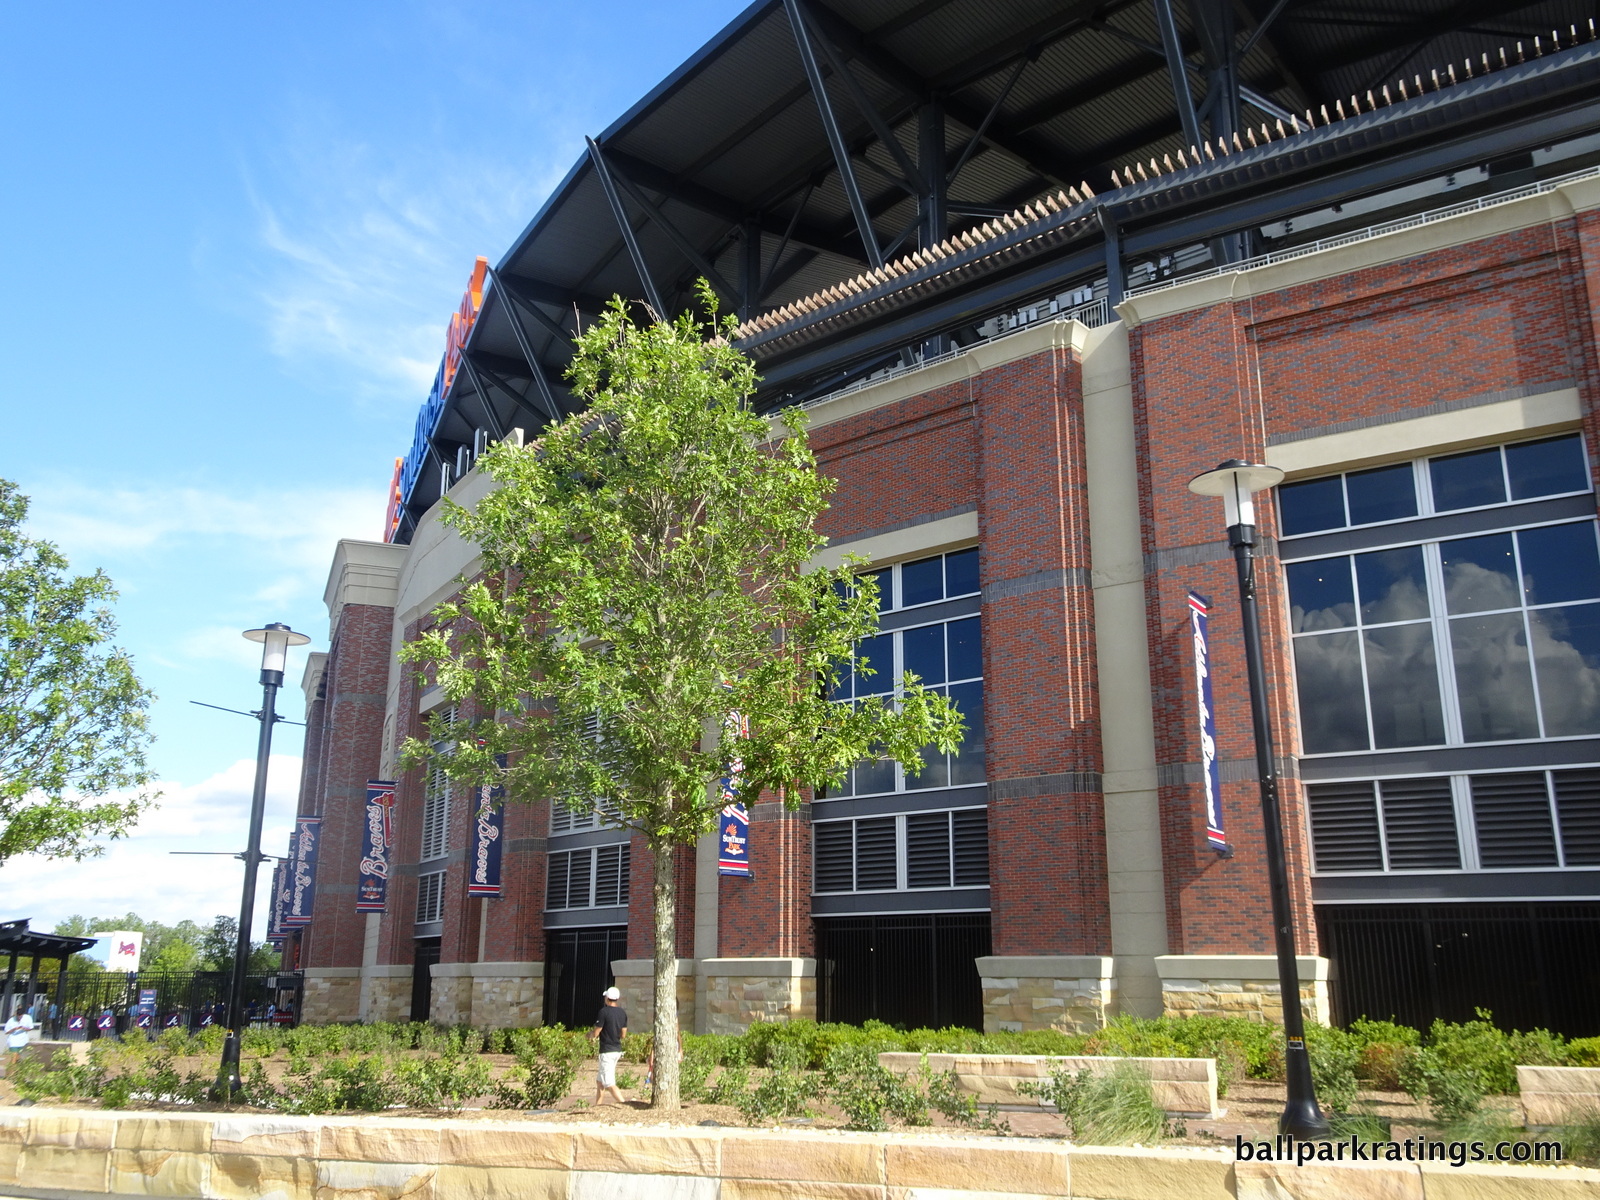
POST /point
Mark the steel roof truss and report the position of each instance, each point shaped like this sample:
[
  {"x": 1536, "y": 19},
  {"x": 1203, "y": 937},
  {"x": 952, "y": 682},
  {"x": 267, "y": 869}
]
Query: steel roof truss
[
  {"x": 676, "y": 236},
  {"x": 535, "y": 369},
  {"x": 841, "y": 153},
  {"x": 603, "y": 172},
  {"x": 492, "y": 417},
  {"x": 863, "y": 102},
  {"x": 1177, "y": 71}
]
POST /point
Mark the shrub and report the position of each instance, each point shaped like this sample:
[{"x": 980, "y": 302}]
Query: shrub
[
  {"x": 1383, "y": 1033},
  {"x": 1580, "y": 1139},
  {"x": 731, "y": 1084},
  {"x": 1584, "y": 1052},
  {"x": 1116, "y": 1108},
  {"x": 1383, "y": 1065},
  {"x": 1476, "y": 1049},
  {"x": 1453, "y": 1092},
  {"x": 1537, "y": 1048},
  {"x": 694, "y": 1071},
  {"x": 544, "y": 1073},
  {"x": 1334, "y": 1056},
  {"x": 869, "y": 1093},
  {"x": 783, "y": 1093}
]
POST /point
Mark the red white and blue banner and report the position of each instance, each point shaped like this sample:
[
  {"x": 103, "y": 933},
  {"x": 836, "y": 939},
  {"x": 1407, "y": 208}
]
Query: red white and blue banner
[
  {"x": 372, "y": 888},
  {"x": 1210, "y": 769},
  {"x": 733, "y": 826},
  {"x": 483, "y": 866},
  {"x": 275, "y": 932},
  {"x": 301, "y": 874}
]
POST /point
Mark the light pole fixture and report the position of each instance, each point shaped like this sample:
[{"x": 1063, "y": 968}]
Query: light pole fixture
[
  {"x": 275, "y": 641},
  {"x": 1236, "y": 482}
]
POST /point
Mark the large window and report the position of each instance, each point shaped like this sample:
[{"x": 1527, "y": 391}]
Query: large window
[
  {"x": 596, "y": 877},
  {"x": 945, "y": 655},
  {"x": 908, "y": 852},
  {"x": 1491, "y": 637},
  {"x": 1507, "y": 820}
]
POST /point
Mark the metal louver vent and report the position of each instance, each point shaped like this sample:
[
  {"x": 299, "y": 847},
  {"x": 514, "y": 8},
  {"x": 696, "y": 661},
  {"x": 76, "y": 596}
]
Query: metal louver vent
[
  {"x": 436, "y": 815},
  {"x": 580, "y": 869},
  {"x": 611, "y": 876},
  {"x": 875, "y": 855},
  {"x": 1344, "y": 827},
  {"x": 970, "y": 835},
  {"x": 555, "y": 881},
  {"x": 1419, "y": 822},
  {"x": 1513, "y": 818},
  {"x": 928, "y": 850},
  {"x": 430, "y": 897},
  {"x": 1578, "y": 801},
  {"x": 833, "y": 863}
]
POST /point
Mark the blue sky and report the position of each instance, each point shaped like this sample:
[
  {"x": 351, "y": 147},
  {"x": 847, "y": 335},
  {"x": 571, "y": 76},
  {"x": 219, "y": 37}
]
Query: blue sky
[{"x": 231, "y": 238}]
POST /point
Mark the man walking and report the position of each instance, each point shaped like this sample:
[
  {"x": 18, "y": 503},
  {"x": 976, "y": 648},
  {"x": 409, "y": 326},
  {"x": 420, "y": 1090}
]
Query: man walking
[{"x": 610, "y": 1027}]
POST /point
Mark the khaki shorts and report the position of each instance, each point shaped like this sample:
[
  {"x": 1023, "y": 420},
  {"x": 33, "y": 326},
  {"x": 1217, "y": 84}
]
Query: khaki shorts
[{"x": 608, "y": 1068}]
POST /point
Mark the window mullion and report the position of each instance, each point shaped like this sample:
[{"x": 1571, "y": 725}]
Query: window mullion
[
  {"x": 1361, "y": 651},
  {"x": 1555, "y": 818},
  {"x": 1444, "y": 655},
  {"x": 900, "y": 853},
  {"x": 1466, "y": 822}
]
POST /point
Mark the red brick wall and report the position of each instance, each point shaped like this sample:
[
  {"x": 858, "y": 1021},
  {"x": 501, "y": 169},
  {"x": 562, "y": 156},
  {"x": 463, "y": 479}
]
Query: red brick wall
[
  {"x": 1041, "y": 700},
  {"x": 641, "y": 899},
  {"x": 355, "y": 681},
  {"x": 769, "y": 914}
]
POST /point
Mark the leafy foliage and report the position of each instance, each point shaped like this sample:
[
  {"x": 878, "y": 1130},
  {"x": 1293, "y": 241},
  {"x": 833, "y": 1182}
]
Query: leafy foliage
[
  {"x": 74, "y": 719},
  {"x": 646, "y": 577},
  {"x": 1112, "y": 1108}
]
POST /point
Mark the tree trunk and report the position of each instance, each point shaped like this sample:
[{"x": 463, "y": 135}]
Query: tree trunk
[{"x": 666, "y": 1022}]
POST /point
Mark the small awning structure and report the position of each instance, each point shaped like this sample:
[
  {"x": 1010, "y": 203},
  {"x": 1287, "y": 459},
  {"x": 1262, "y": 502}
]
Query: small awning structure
[{"x": 18, "y": 941}]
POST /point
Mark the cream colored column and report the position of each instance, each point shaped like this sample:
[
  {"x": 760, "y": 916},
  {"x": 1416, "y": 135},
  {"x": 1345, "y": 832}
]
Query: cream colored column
[
  {"x": 1132, "y": 812},
  {"x": 369, "y": 959},
  {"x": 705, "y": 920}
]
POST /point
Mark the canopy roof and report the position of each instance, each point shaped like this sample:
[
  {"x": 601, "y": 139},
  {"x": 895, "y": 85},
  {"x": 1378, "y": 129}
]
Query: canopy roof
[
  {"x": 733, "y": 170},
  {"x": 16, "y": 938}
]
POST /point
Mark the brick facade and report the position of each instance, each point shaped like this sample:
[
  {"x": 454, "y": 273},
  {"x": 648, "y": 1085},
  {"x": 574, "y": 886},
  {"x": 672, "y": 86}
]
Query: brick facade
[{"x": 994, "y": 443}]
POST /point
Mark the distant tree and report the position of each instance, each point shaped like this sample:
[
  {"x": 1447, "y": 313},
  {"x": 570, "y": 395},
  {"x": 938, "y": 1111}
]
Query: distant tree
[
  {"x": 649, "y": 582},
  {"x": 74, "y": 721}
]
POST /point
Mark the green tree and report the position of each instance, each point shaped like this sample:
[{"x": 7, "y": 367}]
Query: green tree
[
  {"x": 648, "y": 583},
  {"x": 74, "y": 723}
]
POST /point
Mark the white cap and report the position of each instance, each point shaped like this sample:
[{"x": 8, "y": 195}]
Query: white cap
[{"x": 613, "y": 994}]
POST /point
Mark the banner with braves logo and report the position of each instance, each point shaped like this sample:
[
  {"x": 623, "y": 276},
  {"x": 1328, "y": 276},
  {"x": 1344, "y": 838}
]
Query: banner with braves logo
[
  {"x": 1210, "y": 769},
  {"x": 733, "y": 826},
  {"x": 372, "y": 887},
  {"x": 275, "y": 933},
  {"x": 483, "y": 867},
  {"x": 302, "y": 873}
]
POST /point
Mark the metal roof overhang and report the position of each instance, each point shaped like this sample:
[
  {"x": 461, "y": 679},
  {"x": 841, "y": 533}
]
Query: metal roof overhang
[
  {"x": 727, "y": 164},
  {"x": 16, "y": 938}
]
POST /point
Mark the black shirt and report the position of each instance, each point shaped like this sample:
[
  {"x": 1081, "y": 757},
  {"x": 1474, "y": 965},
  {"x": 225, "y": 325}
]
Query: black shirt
[{"x": 613, "y": 1019}]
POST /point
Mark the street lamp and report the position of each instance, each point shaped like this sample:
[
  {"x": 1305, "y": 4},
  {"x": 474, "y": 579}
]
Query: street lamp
[
  {"x": 1236, "y": 481},
  {"x": 275, "y": 641}
]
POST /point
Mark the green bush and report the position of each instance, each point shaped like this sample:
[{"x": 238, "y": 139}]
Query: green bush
[
  {"x": 1473, "y": 1048},
  {"x": 543, "y": 1076},
  {"x": 731, "y": 1084},
  {"x": 1584, "y": 1052},
  {"x": 869, "y": 1093},
  {"x": 1335, "y": 1056},
  {"x": 1115, "y": 1108},
  {"x": 694, "y": 1072},
  {"x": 1383, "y": 1033},
  {"x": 783, "y": 1093}
]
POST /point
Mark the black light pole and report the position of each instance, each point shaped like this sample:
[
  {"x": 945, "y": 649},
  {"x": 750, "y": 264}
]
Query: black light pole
[
  {"x": 275, "y": 641},
  {"x": 1235, "y": 481}
]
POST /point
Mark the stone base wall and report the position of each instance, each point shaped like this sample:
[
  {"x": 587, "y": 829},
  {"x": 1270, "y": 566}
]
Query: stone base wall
[
  {"x": 1558, "y": 1095},
  {"x": 91, "y": 1152},
  {"x": 739, "y": 992},
  {"x": 512, "y": 997},
  {"x": 1183, "y": 1087},
  {"x": 636, "y": 980},
  {"x": 1239, "y": 985},
  {"x": 331, "y": 994},
  {"x": 450, "y": 1000},
  {"x": 1070, "y": 993},
  {"x": 388, "y": 994}
]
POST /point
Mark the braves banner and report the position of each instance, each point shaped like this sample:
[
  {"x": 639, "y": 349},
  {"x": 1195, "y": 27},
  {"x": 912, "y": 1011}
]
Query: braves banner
[
  {"x": 484, "y": 864},
  {"x": 275, "y": 921},
  {"x": 733, "y": 826},
  {"x": 372, "y": 890},
  {"x": 1210, "y": 771},
  {"x": 302, "y": 873}
]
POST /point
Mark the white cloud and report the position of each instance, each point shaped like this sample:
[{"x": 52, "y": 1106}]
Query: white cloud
[
  {"x": 366, "y": 257},
  {"x": 140, "y": 874}
]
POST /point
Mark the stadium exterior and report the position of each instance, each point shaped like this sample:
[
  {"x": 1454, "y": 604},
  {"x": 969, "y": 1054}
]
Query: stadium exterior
[{"x": 1365, "y": 250}]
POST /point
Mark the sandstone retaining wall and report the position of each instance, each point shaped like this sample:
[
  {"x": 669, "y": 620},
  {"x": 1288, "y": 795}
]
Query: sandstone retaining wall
[
  {"x": 1183, "y": 1087},
  {"x": 1558, "y": 1095},
  {"x": 56, "y": 1152}
]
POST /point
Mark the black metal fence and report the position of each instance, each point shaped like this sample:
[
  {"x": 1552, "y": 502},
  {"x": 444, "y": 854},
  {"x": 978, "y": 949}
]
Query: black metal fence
[
  {"x": 577, "y": 970},
  {"x": 1531, "y": 965},
  {"x": 100, "y": 1004},
  {"x": 916, "y": 970}
]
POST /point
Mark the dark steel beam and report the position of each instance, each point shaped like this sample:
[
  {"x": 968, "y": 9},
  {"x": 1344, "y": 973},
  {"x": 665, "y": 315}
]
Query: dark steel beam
[
  {"x": 492, "y": 417},
  {"x": 1260, "y": 31},
  {"x": 841, "y": 153},
  {"x": 988, "y": 118},
  {"x": 535, "y": 368},
  {"x": 1423, "y": 30},
  {"x": 498, "y": 380},
  {"x": 652, "y": 297},
  {"x": 864, "y": 103},
  {"x": 676, "y": 236},
  {"x": 1177, "y": 71}
]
